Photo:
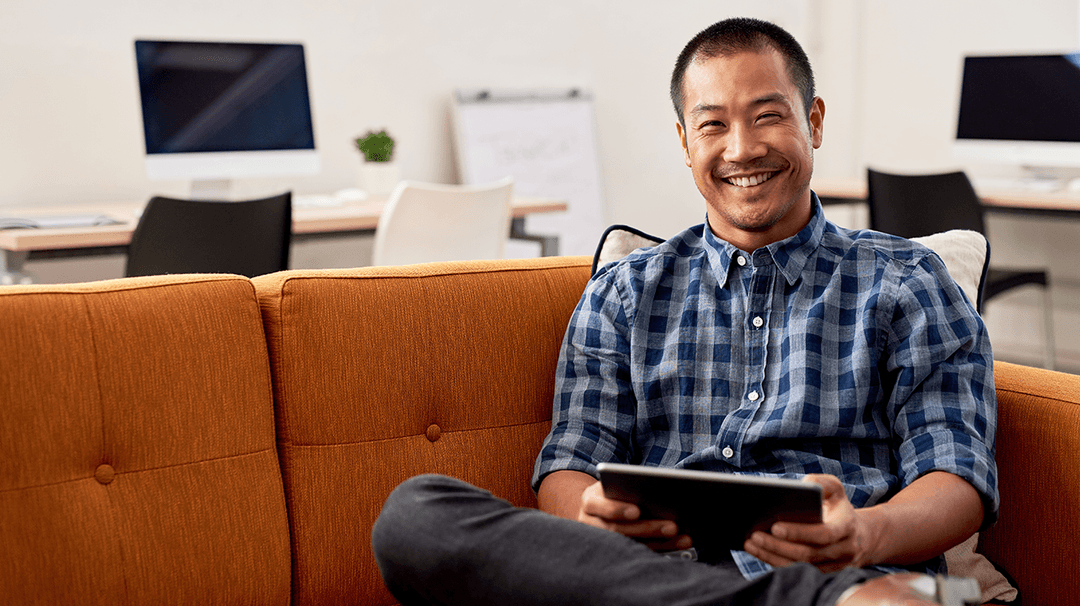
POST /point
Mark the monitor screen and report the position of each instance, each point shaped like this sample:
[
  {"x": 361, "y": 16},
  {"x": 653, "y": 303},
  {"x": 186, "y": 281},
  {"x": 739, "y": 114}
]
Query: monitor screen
[
  {"x": 217, "y": 110},
  {"x": 1021, "y": 109}
]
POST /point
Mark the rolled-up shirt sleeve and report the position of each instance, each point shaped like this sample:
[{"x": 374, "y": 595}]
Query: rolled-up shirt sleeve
[
  {"x": 593, "y": 410},
  {"x": 943, "y": 405}
]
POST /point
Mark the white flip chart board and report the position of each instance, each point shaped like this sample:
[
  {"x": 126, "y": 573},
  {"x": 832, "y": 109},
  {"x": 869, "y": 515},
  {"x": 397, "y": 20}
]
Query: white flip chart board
[{"x": 545, "y": 140}]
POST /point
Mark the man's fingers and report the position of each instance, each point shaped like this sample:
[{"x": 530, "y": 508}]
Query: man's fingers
[
  {"x": 757, "y": 546},
  {"x": 612, "y": 510},
  {"x": 778, "y": 552},
  {"x": 595, "y": 504},
  {"x": 809, "y": 534},
  {"x": 831, "y": 487},
  {"x": 763, "y": 544}
]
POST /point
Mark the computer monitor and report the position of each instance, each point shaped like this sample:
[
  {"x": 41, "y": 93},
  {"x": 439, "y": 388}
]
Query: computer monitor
[
  {"x": 217, "y": 111},
  {"x": 1022, "y": 110}
]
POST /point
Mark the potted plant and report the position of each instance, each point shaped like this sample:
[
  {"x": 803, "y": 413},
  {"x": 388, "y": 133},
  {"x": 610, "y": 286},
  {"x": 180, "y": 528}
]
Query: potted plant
[{"x": 379, "y": 174}]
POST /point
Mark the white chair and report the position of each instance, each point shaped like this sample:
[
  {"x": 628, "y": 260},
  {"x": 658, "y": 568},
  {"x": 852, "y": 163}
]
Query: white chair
[{"x": 426, "y": 222}]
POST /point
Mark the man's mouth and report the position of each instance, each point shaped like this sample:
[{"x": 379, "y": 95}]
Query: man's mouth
[{"x": 750, "y": 181}]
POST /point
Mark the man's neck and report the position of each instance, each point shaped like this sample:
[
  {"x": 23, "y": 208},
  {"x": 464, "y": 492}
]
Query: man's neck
[{"x": 751, "y": 240}]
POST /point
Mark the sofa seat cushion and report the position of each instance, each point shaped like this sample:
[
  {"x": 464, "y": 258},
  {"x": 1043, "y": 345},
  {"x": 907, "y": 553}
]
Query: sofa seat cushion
[
  {"x": 384, "y": 373},
  {"x": 137, "y": 445}
]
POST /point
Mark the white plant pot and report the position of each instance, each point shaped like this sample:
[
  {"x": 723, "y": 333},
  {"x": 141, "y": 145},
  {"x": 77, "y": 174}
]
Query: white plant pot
[{"x": 378, "y": 178}]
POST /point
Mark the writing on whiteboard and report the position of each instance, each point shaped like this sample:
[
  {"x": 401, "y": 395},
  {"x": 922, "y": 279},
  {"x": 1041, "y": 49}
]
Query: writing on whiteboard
[{"x": 548, "y": 145}]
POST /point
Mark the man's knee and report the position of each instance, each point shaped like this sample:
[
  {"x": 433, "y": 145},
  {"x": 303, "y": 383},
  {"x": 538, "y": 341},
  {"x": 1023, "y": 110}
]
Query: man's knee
[
  {"x": 423, "y": 514},
  {"x": 420, "y": 533},
  {"x": 408, "y": 510}
]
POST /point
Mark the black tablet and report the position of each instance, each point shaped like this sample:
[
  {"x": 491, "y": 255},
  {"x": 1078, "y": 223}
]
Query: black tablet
[{"x": 717, "y": 510}]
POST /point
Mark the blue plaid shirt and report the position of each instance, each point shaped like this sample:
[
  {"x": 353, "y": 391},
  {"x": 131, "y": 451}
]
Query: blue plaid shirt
[{"x": 851, "y": 353}]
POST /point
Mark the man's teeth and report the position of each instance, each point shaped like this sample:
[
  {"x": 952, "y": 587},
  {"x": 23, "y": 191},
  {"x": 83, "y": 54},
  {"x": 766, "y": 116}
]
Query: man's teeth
[{"x": 751, "y": 180}]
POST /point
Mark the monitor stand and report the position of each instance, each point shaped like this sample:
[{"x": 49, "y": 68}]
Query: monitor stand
[
  {"x": 211, "y": 189},
  {"x": 1037, "y": 179}
]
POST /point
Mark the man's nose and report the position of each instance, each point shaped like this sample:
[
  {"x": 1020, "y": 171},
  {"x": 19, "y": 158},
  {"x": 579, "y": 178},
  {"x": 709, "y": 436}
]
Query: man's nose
[{"x": 743, "y": 145}]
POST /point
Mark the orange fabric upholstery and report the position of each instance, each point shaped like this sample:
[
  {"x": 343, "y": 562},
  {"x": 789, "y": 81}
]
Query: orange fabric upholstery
[
  {"x": 385, "y": 373},
  {"x": 137, "y": 452},
  {"x": 1038, "y": 457}
]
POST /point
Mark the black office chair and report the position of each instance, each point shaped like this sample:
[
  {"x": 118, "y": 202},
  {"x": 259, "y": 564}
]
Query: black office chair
[
  {"x": 920, "y": 205},
  {"x": 249, "y": 238}
]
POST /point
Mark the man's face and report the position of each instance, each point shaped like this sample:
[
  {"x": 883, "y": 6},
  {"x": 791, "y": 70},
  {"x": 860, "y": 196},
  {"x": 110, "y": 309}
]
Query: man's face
[{"x": 750, "y": 146}]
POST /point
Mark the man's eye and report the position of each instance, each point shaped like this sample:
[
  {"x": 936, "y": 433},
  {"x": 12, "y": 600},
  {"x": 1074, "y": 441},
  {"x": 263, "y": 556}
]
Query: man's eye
[
  {"x": 771, "y": 116},
  {"x": 712, "y": 124}
]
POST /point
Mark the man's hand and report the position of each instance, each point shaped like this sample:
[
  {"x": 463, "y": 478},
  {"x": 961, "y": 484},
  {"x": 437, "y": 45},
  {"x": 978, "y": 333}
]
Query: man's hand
[
  {"x": 924, "y": 519},
  {"x": 624, "y": 518},
  {"x": 843, "y": 538},
  {"x": 578, "y": 496}
]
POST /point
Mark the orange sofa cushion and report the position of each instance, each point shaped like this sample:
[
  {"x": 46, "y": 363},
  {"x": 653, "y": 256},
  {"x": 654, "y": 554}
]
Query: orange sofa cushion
[
  {"x": 385, "y": 373},
  {"x": 1038, "y": 457},
  {"x": 137, "y": 452}
]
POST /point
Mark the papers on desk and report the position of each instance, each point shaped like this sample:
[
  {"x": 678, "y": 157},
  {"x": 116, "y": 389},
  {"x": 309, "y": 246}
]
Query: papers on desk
[
  {"x": 338, "y": 198},
  {"x": 57, "y": 221},
  {"x": 1020, "y": 184}
]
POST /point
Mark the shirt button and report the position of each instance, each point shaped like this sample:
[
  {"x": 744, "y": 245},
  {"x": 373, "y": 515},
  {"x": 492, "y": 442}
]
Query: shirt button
[
  {"x": 728, "y": 452},
  {"x": 753, "y": 396},
  {"x": 758, "y": 321},
  {"x": 741, "y": 260}
]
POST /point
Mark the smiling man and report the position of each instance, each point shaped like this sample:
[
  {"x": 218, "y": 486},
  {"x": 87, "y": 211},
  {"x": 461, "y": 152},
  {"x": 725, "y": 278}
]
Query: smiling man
[{"x": 766, "y": 341}]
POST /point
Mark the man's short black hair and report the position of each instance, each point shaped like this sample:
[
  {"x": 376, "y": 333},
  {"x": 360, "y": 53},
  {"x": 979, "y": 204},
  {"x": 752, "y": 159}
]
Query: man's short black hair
[{"x": 743, "y": 34}]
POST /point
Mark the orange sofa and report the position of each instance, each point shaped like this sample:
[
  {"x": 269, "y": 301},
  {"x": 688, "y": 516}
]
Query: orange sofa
[{"x": 220, "y": 440}]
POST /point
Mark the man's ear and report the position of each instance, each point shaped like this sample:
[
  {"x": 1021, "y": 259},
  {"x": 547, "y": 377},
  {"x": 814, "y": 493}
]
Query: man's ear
[
  {"x": 817, "y": 121},
  {"x": 682, "y": 140}
]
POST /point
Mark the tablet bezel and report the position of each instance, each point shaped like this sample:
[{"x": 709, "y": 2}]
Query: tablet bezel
[{"x": 718, "y": 510}]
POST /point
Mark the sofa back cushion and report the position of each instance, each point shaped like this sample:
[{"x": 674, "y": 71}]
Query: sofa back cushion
[
  {"x": 137, "y": 451},
  {"x": 384, "y": 373}
]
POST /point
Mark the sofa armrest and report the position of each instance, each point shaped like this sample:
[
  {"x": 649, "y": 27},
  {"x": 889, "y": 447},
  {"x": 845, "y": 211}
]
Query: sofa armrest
[{"x": 1038, "y": 455}]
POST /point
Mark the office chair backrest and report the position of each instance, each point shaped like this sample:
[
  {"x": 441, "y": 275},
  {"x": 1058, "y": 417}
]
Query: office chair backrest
[
  {"x": 249, "y": 238},
  {"x": 919, "y": 205},
  {"x": 425, "y": 222}
]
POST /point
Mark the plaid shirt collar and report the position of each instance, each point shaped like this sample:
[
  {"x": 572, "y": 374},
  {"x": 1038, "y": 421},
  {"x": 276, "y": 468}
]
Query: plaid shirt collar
[{"x": 790, "y": 255}]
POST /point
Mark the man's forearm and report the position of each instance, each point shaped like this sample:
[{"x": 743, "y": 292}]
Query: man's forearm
[
  {"x": 932, "y": 514},
  {"x": 560, "y": 492}
]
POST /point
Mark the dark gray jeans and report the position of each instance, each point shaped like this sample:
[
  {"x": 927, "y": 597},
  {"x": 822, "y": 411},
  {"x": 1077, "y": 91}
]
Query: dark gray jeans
[{"x": 441, "y": 541}]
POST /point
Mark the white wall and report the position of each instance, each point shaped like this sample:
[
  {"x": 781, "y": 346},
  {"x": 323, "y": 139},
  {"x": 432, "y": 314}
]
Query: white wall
[
  {"x": 70, "y": 127},
  {"x": 70, "y": 130}
]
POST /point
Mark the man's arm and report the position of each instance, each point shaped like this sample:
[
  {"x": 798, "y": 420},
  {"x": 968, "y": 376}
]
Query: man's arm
[
  {"x": 578, "y": 496},
  {"x": 932, "y": 514},
  {"x": 560, "y": 493}
]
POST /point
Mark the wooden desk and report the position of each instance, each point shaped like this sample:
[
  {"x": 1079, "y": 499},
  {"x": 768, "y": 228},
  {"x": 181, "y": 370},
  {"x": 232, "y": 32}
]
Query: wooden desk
[
  {"x": 309, "y": 222},
  {"x": 1060, "y": 203}
]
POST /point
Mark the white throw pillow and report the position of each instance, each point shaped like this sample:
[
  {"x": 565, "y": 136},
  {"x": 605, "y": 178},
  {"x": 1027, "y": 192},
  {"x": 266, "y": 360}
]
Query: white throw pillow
[{"x": 964, "y": 253}]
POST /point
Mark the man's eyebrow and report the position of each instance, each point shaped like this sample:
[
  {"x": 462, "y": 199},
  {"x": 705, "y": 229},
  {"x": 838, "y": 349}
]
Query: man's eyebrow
[
  {"x": 771, "y": 98},
  {"x": 705, "y": 109},
  {"x": 763, "y": 100}
]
